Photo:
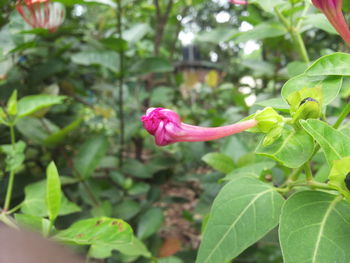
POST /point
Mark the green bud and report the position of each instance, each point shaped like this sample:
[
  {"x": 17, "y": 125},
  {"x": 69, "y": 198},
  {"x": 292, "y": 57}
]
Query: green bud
[
  {"x": 339, "y": 177},
  {"x": 12, "y": 104},
  {"x": 268, "y": 119},
  {"x": 273, "y": 135},
  {"x": 309, "y": 109}
]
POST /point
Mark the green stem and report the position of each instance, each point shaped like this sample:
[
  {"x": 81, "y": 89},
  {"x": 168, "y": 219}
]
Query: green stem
[
  {"x": 296, "y": 37},
  {"x": 14, "y": 209},
  {"x": 306, "y": 8},
  {"x": 12, "y": 174},
  {"x": 308, "y": 172},
  {"x": 342, "y": 116}
]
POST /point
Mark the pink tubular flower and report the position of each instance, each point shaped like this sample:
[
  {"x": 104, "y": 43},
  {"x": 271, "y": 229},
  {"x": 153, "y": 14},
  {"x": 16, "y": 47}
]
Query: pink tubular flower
[
  {"x": 166, "y": 126},
  {"x": 41, "y": 13},
  {"x": 239, "y": 2},
  {"x": 333, "y": 11}
]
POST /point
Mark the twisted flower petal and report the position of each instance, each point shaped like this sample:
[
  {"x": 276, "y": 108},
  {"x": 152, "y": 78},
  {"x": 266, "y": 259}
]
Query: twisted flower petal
[
  {"x": 333, "y": 11},
  {"x": 41, "y": 13},
  {"x": 166, "y": 126}
]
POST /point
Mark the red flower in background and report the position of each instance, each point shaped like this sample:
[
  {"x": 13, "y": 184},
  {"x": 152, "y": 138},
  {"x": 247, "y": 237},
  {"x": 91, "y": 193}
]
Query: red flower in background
[
  {"x": 333, "y": 11},
  {"x": 41, "y": 13}
]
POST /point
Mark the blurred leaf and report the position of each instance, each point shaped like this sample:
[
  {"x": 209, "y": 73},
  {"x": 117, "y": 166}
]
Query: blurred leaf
[
  {"x": 254, "y": 169},
  {"x": 134, "y": 248},
  {"x": 267, "y": 5},
  {"x": 89, "y": 155},
  {"x": 334, "y": 144},
  {"x": 170, "y": 260},
  {"x": 151, "y": 65},
  {"x": 219, "y": 161},
  {"x": 138, "y": 169},
  {"x": 262, "y": 31},
  {"x": 115, "y": 44},
  {"x": 127, "y": 209},
  {"x": 217, "y": 35},
  {"x": 14, "y": 155},
  {"x": 34, "y": 201},
  {"x": 319, "y": 21},
  {"x": 293, "y": 148},
  {"x": 136, "y": 32},
  {"x": 33, "y": 103},
  {"x": 150, "y": 223},
  {"x": 321, "y": 231},
  {"x": 276, "y": 103},
  {"x": 55, "y": 138},
  {"x": 231, "y": 218},
  {"x": 12, "y": 104},
  {"x": 53, "y": 191},
  {"x": 108, "y": 59}
]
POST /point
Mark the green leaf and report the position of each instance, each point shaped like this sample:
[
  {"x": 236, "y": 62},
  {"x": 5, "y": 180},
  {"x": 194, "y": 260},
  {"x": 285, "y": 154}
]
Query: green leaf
[
  {"x": 217, "y": 35},
  {"x": 335, "y": 64},
  {"x": 12, "y": 104},
  {"x": 135, "y": 248},
  {"x": 89, "y": 155},
  {"x": 35, "y": 204},
  {"x": 53, "y": 191},
  {"x": 104, "y": 234},
  {"x": 315, "y": 228},
  {"x": 243, "y": 212},
  {"x": 292, "y": 149},
  {"x": 170, "y": 260},
  {"x": 151, "y": 65},
  {"x": 334, "y": 144},
  {"x": 56, "y": 138},
  {"x": 255, "y": 169},
  {"x": 276, "y": 103},
  {"x": 127, "y": 209},
  {"x": 330, "y": 86},
  {"x": 262, "y": 31},
  {"x": 267, "y": 5},
  {"x": 338, "y": 174},
  {"x": 108, "y": 59},
  {"x": 14, "y": 155},
  {"x": 219, "y": 161},
  {"x": 150, "y": 222},
  {"x": 31, "y": 104}
]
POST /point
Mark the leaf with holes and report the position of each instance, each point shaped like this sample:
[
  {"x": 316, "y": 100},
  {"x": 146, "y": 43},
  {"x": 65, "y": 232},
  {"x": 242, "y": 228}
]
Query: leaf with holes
[
  {"x": 315, "y": 228},
  {"x": 243, "y": 212}
]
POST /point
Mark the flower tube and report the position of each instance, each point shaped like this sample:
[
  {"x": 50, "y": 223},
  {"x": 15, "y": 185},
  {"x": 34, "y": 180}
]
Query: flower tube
[
  {"x": 166, "y": 127},
  {"x": 333, "y": 11},
  {"x": 41, "y": 13}
]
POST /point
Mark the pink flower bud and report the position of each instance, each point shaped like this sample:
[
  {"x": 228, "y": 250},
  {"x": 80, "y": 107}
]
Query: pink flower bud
[
  {"x": 333, "y": 11},
  {"x": 166, "y": 126},
  {"x": 41, "y": 13},
  {"x": 239, "y": 2}
]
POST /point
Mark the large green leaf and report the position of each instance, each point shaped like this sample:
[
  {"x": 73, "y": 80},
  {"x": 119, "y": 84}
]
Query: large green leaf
[
  {"x": 315, "y": 228},
  {"x": 219, "y": 161},
  {"x": 30, "y": 104},
  {"x": 334, "y": 144},
  {"x": 108, "y": 59},
  {"x": 242, "y": 213},
  {"x": 292, "y": 149},
  {"x": 53, "y": 191},
  {"x": 330, "y": 86},
  {"x": 90, "y": 154},
  {"x": 104, "y": 234},
  {"x": 334, "y": 64},
  {"x": 34, "y": 202}
]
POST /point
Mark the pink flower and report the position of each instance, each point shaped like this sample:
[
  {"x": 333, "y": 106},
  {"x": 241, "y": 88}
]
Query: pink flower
[
  {"x": 166, "y": 126},
  {"x": 41, "y": 13},
  {"x": 333, "y": 11},
  {"x": 239, "y": 2}
]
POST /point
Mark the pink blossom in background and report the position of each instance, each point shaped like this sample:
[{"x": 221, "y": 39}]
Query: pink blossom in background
[
  {"x": 238, "y": 2},
  {"x": 166, "y": 126},
  {"x": 41, "y": 13},
  {"x": 333, "y": 11}
]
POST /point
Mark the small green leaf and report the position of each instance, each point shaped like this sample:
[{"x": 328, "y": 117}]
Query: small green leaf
[
  {"x": 106, "y": 58},
  {"x": 293, "y": 148},
  {"x": 14, "y": 155},
  {"x": 219, "y": 161},
  {"x": 336, "y": 64},
  {"x": 243, "y": 212},
  {"x": 53, "y": 191},
  {"x": 338, "y": 174},
  {"x": 150, "y": 222},
  {"x": 89, "y": 155},
  {"x": 31, "y": 104},
  {"x": 254, "y": 169},
  {"x": 334, "y": 144},
  {"x": 315, "y": 228},
  {"x": 12, "y": 104}
]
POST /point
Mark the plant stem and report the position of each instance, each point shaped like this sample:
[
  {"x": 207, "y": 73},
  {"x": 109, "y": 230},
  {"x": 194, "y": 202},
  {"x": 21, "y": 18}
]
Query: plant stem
[
  {"x": 296, "y": 37},
  {"x": 308, "y": 172},
  {"x": 306, "y": 8},
  {"x": 342, "y": 116},
  {"x": 12, "y": 173},
  {"x": 121, "y": 83}
]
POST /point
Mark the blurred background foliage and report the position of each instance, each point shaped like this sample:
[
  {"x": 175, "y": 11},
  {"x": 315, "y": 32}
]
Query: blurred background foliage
[{"x": 211, "y": 61}]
